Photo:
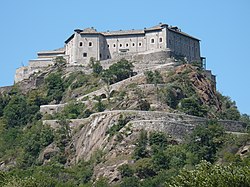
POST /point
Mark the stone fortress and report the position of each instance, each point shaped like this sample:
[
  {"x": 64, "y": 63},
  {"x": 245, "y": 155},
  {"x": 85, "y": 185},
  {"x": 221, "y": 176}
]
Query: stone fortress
[{"x": 160, "y": 42}]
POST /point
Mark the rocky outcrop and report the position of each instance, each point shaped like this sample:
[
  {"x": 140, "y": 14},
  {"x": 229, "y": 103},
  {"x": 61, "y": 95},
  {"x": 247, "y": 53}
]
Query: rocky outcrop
[
  {"x": 92, "y": 133},
  {"x": 48, "y": 153}
]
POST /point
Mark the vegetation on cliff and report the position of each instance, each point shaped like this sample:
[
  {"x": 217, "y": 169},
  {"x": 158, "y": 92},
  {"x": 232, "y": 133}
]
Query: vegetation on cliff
[{"x": 157, "y": 158}]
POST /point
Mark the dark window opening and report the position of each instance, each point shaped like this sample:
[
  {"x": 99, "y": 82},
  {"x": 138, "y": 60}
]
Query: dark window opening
[
  {"x": 108, "y": 45},
  {"x": 152, "y": 40},
  {"x": 120, "y": 45},
  {"x": 85, "y": 54},
  {"x": 126, "y": 45},
  {"x": 100, "y": 55},
  {"x": 133, "y": 44},
  {"x": 114, "y": 45},
  {"x": 90, "y": 44},
  {"x": 80, "y": 44},
  {"x": 140, "y": 44},
  {"x": 160, "y": 39},
  {"x": 107, "y": 56}
]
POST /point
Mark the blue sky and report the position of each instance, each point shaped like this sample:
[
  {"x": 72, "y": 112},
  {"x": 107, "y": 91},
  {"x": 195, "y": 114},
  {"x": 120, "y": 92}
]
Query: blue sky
[{"x": 28, "y": 26}]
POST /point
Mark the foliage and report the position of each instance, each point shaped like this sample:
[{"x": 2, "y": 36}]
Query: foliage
[
  {"x": 141, "y": 146},
  {"x": 55, "y": 87},
  {"x": 99, "y": 106},
  {"x": 144, "y": 168},
  {"x": 96, "y": 66},
  {"x": 205, "y": 141},
  {"x": 192, "y": 107},
  {"x": 144, "y": 105},
  {"x": 118, "y": 72},
  {"x": 153, "y": 77},
  {"x": 114, "y": 129},
  {"x": 72, "y": 110},
  {"x": 125, "y": 170},
  {"x": 17, "y": 111},
  {"x": 130, "y": 182},
  {"x": 60, "y": 61},
  {"x": 171, "y": 95},
  {"x": 207, "y": 175},
  {"x": 229, "y": 109},
  {"x": 158, "y": 138},
  {"x": 4, "y": 99}
]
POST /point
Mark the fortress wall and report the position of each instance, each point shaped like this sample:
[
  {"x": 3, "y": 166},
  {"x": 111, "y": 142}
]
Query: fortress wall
[
  {"x": 176, "y": 125},
  {"x": 5, "y": 89},
  {"x": 185, "y": 46},
  {"x": 141, "y": 60}
]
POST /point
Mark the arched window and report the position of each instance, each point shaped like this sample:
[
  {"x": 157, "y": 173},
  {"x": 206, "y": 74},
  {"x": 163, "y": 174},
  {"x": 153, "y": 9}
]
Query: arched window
[
  {"x": 152, "y": 40},
  {"x": 90, "y": 44},
  {"x": 160, "y": 39},
  {"x": 80, "y": 44}
]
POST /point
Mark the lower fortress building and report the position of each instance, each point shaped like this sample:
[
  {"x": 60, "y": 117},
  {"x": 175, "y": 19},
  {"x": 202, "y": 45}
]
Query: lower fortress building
[{"x": 105, "y": 46}]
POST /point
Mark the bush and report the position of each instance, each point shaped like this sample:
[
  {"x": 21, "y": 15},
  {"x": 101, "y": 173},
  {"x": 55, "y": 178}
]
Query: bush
[
  {"x": 16, "y": 112},
  {"x": 153, "y": 77},
  {"x": 208, "y": 175},
  {"x": 55, "y": 87},
  {"x": 122, "y": 121},
  {"x": 118, "y": 72},
  {"x": 125, "y": 170},
  {"x": 192, "y": 107}
]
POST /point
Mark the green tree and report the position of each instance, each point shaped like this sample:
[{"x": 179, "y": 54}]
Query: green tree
[
  {"x": 153, "y": 77},
  {"x": 118, "y": 71},
  {"x": 96, "y": 66},
  {"x": 192, "y": 107},
  {"x": 205, "y": 141},
  {"x": 207, "y": 175},
  {"x": 15, "y": 112},
  {"x": 55, "y": 87},
  {"x": 141, "y": 146},
  {"x": 125, "y": 170}
]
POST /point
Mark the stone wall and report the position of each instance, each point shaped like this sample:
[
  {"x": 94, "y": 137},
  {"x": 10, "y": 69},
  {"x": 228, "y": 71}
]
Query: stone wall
[
  {"x": 91, "y": 133},
  {"x": 5, "y": 89}
]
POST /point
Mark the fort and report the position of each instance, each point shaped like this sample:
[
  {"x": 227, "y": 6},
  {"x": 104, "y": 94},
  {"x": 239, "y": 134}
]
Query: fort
[{"x": 162, "y": 41}]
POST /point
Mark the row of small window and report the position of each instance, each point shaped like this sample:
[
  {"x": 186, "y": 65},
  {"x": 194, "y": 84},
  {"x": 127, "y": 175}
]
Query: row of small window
[
  {"x": 139, "y": 44},
  {"x": 90, "y": 44},
  {"x": 127, "y": 45}
]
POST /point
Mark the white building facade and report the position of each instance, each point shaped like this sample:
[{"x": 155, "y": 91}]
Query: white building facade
[{"x": 87, "y": 43}]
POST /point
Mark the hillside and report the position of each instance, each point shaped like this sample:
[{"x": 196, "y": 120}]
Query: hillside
[{"x": 117, "y": 126}]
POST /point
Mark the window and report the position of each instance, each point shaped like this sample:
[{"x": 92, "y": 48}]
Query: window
[
  {"x": 100, "y": 55},
  {"x": 126, "y": 44},
  {"x": 107, "y": 56},
  {"x": 120, "y": 45},
  {"x": 90, "y": 44},
  {"x": 108, "y": 45},
  {"x": 80, "y": 44},
  {"x": 85, "y": 54},
  {"x": 160, "y": 39},
  {"x": 133, "y": 44},
  {"x": 152, "y": 40},
  {"x": 140, "y": 44},
  {"x": 113, "y": 45}
]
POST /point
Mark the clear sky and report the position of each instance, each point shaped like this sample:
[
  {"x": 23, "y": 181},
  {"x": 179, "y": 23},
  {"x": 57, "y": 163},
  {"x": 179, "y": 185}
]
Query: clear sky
[{"x": 28, "y": 26}]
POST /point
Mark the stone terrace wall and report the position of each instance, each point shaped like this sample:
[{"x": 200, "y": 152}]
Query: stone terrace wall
[
  {"x": 5, "y": 89},
  {"x": 141, "y": 61}
]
